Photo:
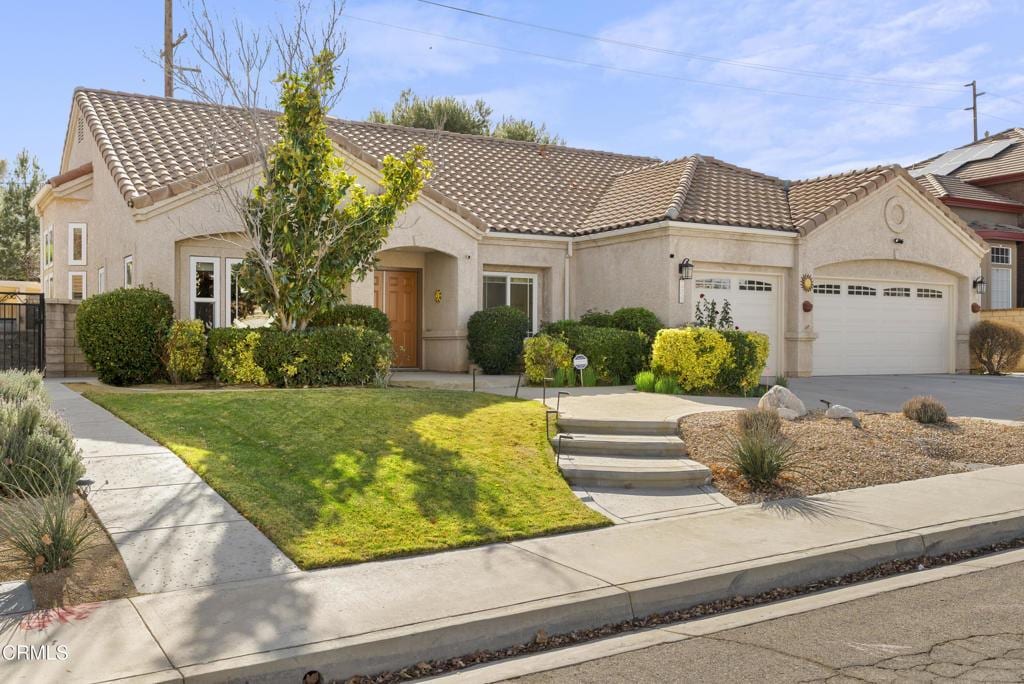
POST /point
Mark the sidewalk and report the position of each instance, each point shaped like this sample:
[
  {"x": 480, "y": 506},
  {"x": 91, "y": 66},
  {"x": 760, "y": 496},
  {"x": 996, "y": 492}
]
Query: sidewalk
[{"x": 376, "y": 616}]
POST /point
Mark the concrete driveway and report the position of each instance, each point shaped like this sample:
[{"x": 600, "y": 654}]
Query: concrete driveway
[{"x": 980, "y": 396}]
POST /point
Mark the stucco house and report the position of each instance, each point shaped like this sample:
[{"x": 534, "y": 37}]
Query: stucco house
[
  {"x": 983, "y": 183},
  {"x": 553, "y": 230}
]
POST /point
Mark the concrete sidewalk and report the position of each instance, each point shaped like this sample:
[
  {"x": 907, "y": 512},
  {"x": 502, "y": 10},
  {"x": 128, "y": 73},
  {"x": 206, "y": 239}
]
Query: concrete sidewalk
[{"x": 375, "y": 616}]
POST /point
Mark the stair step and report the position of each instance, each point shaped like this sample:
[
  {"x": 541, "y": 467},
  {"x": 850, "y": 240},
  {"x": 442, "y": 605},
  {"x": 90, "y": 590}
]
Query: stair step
[
  {"x": 601, "y": 471},
  {"x": 620, "y": 445},
  {"x": 596, "y": 426}
]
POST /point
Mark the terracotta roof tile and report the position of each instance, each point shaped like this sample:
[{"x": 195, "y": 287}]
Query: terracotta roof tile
[{"x": 952, "y": 187}]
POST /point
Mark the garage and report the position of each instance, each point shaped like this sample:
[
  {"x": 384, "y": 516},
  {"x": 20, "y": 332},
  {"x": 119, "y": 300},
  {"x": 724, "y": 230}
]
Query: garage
[
  {"x": 868, "y": 327},
  {"x": 754, "y": 299}
]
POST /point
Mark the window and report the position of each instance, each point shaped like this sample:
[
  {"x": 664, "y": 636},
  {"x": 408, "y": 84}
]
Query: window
[
  {"x": 512, "y": 289},
  {"x": 240, "y": 304},
  {"x": 1000, "y": 289},
  {"x": 129, "y": 271},
  {"x": 712, "y": 284},
  {"x": 1001, "y": 255},
  {"x": 205, "y": 294},
  {"x": 76, "y": 244},
  {"x": 76, "y": 285},
  {"x": 48, "y": 247},
  {"x": 48, "y": 289},
  {"x": 101, "y": 280},
  {"x": 755, "y": 286},
  {"x": 896, "y": 292},
  {"x": 828, "y": 289},
  {"x": 861, "y": 290},
  {"x": 928, "y": 293}
]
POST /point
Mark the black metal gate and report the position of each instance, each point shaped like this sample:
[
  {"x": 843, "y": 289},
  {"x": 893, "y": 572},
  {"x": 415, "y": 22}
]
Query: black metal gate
[{"x": 22, "y": 331}]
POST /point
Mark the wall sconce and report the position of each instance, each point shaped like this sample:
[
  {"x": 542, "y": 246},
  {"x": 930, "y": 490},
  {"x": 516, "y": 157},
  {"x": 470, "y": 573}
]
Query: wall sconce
[
  {"x": 980, "y": 286},
  {"x": 685, "y": 269}
]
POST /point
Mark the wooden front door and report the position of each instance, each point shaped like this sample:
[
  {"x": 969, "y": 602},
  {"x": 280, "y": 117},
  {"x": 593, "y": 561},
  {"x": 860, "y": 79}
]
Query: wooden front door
[{"x": 397, "y": 294}]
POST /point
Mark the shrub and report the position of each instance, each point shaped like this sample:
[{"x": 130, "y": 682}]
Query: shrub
[
  {"x": 638, "y": 319},
  {"x": 123, "y": 334},
  {"x": 232, "y": 356},
  {"x": 761, "y": 458},
  {"x": 598, "y": 319},
  {"x": 37, "y": 451},
  {"x": 693, "y": 356},
  {"x": 47, "y": 531},
  {"x": 926, "y": 410},
  {"x": 760, "y": 420},
  {"x": 358, "y": 315},
  {"x": 496, "y": 338},
  {"x": 997, "y": 347},
  {"x": 543, "y": 355},
  {"x": 564, "y": 377},
  {"x": 613, "y": 354},
  {"x": 644, "y": 381},
  {"x": 339, "y": 355},
  {"x": 748, "y": 354},
  {"x": 666, "y": 385},
  {"x": 18, "y": 386},
  {"x": 186, "y": 351}
]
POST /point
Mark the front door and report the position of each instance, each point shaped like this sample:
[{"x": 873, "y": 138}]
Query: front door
[{"x": 397, "y": 294}]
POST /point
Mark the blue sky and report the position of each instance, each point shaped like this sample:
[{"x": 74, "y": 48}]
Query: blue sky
[{"x": 931, "y": 48}]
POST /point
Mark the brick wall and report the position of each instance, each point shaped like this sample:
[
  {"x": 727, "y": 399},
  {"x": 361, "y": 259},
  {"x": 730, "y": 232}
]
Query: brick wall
[
  {"x": 1014, "y": 317},
  {"x": 63, "y": 356}
]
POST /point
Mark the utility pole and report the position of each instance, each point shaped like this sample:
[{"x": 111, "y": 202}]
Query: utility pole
[
  {"x": 170, "y": 43},
  {"x": 973, "y": 85}
]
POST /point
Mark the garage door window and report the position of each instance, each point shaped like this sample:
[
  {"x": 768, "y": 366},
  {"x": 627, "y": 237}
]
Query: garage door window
[
  {"x": 896, "y": 292},
  {"x": 828, "y": 289},
  {"x": 928, "y": 293},
  {"x": 861, "y": 290},
  {"x": 755, "y": 286},
  {"x": 712, "y": 284}
]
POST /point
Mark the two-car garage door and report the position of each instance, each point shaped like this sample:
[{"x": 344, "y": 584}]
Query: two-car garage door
[{"x": 876, "y": 327}]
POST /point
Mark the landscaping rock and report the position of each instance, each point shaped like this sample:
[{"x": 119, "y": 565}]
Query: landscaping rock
[
  {"x": 838, "y": 412},
  {"x": 787, "y": 414},
  {"x": 778, "y": 397}
]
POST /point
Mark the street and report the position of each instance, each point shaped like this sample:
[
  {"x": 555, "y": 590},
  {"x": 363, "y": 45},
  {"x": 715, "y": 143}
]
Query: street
[{"x": 968, "y": 628}]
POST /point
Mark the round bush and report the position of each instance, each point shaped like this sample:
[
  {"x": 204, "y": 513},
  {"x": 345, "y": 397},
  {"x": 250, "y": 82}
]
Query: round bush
[
  {"x": 598, "y": 319},
  {"x": 543, "y": 356},
  {"x": 927, "y": 410},
  {"x": 186, "y": 351},
  {"x": 358, "y": 315},
  {"x": 496, "y": 338},
  {"x": 123, "y": 334},
  {"x": 694, "y": 356},
  {"x": 748, "y": 354},
  {"x": 997, "y": 347},
  {"x": 638, "y": 319}
]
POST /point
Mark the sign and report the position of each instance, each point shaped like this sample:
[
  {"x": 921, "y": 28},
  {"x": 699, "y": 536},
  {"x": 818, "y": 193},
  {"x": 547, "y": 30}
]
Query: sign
[{"x": 579, "y": 362}]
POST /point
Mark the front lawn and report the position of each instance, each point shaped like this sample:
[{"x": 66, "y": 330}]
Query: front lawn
[{"x": 345, "y": 475}]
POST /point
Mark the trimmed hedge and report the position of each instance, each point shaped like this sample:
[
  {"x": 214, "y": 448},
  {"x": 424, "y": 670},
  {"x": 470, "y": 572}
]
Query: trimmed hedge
[
  {"x": 186, "y": 351},
  {"x": 615, "y": 355},
  {"x": 232, "y": 356},
  {"x": 496, "y": 338},
  {"x": 638, "y": 319},
  {"x": 598, "y": 319},
  {"x": 359, "y": 315},
  {"x": 747, "y": 358},
  {"x": 544, "y": 356},
  {"x": 123, "y": 334},
  {"x": 693, "y": 356}
]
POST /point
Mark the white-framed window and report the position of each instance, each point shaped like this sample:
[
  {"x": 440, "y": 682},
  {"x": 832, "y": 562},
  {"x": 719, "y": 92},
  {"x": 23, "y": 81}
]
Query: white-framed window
[
  {"x": 129, "y": 270},
  {"x": 1001, "y": 289},
  {"x": 77, "y": 235},
  {"x": 48, "y": 286},
  {"x": 861, "y": 290},
  {"x": 712, "y": 283},
  {"x": 828, "y": 289},
  {"x": 1001, "y": 255},
  {"x": 929, "y": 293},
  {"x": 48, "y": 247},
  {"x": 101, "y": 280},
  {"x": 755, "y": 286},
  {"x": 76, "y": 285},
  {"x": 896, "y": 292},
  {"x": 204, "y": 293},
  {"x": 235, "y": 291},
  {"x": 512, "y": 289}
]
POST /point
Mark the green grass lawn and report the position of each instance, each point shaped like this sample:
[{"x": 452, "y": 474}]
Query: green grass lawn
[{"x": 344, "y": 475}]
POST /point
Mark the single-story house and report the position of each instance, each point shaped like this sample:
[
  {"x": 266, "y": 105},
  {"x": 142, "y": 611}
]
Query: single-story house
[
  {"x": 983, "y": 183},
  {"x": 860, "y": 272}
]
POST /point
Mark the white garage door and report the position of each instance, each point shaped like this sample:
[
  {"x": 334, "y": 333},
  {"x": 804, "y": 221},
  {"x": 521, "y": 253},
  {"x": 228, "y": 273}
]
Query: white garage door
[
  {"x": 880, "y": 328},
  {"x": 755, "y": 306}
]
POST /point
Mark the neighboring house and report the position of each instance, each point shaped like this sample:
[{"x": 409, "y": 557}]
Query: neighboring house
[
  {"x": 552, "y": 230},
  {"x": 984, "y": 184}
]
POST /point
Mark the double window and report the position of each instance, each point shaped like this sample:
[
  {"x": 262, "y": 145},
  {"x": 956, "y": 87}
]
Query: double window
[{"x": 517, "y": 290}]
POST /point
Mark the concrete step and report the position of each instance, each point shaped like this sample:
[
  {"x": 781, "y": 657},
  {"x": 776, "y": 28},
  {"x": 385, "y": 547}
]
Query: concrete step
[
  {"x": 628, "y": 473},
  {"x": 620, "y": 445},
  {"x": 595, "y": 426}
]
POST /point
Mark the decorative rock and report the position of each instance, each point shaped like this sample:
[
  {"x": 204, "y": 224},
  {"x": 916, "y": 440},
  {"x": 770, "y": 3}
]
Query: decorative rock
[
  {"x": 838, "y": 412},
  {"x": 787, "y": 414},
  {"x": 778, "y": 397}
]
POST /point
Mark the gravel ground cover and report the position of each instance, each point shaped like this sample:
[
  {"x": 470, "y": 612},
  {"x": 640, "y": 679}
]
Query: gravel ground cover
[{"x": 835, "y": 455}]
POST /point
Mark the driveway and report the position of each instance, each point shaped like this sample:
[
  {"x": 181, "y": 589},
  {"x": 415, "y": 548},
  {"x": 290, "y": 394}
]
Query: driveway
[{"x": 980, "y": 396}]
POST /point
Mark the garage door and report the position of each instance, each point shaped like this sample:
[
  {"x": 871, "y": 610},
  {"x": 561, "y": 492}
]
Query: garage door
[
  {"x": 880, "y": 328},
  {"x": 755, "y": 305}
]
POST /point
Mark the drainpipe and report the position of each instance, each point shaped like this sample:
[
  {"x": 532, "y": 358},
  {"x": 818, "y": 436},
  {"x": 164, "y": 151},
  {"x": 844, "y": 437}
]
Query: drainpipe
[{"x": 568, "y": 256}]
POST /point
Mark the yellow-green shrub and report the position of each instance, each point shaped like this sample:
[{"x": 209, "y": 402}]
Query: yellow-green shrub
[
  {"x": 693, "y": 356},
  {"x": 543, "y": 355},
  {"x": 186, "y": 351},
  {"x": 232, "y": 356}
]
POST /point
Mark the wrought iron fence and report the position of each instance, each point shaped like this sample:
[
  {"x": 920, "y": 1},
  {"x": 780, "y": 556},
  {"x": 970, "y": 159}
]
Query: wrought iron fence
[{"x": 22, "y": 331}]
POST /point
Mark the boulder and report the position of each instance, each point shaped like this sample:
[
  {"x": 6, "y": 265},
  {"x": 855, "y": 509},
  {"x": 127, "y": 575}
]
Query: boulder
[
  {"x": 838, "y": 412},
  {"x": 778, "y": 397},
  {"x": 787, "y": 414}
]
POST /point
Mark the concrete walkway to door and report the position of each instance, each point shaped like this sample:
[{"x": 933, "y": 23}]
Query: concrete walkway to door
[{"x": 979, "y": 396}]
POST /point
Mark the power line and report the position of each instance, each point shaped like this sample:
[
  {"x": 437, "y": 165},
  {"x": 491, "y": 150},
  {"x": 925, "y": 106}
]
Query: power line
[
  {"x": 921, "y": 85},
  {"x": 672, "y": 77}
]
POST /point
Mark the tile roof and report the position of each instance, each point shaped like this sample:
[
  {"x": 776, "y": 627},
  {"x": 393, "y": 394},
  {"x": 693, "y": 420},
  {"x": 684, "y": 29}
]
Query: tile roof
[
  {"x": 1007, "y": 162},
  {"x": 156, "y": 147},
  {"x": 997, "y": 227},
  {"x": 955, "y": 188}
]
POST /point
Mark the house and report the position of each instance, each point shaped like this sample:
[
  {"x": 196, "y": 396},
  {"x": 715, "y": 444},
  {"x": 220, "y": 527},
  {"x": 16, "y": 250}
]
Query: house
[
  {"x": 983, "y": 183},
  {"x": 861, "y": 272}
]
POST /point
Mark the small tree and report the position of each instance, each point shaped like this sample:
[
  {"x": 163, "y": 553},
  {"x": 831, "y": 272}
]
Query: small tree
[
  {"x": 19, "y": 225},
  {"x": 511, "y": 128},
  {"x": 707, "y": 314}
]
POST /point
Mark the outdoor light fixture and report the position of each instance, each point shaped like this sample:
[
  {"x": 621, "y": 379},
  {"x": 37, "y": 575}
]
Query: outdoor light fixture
[
  {"x": 980, "y": 286},
  {"x": 685, "y": 269}
]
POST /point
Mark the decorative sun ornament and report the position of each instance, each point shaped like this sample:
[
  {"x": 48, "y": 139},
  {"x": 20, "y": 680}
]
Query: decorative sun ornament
[
  {"x": 437, "y": 296},
  {"x": 807, "y": 282}
]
